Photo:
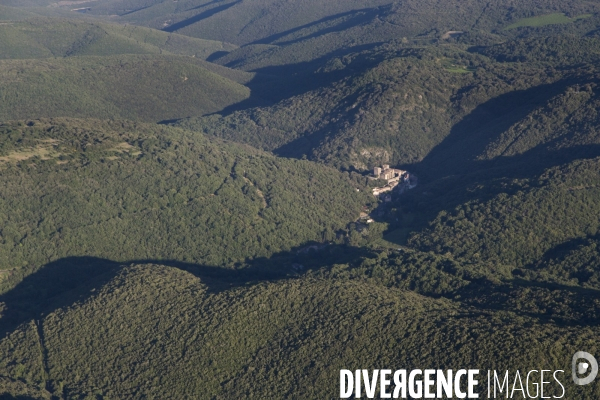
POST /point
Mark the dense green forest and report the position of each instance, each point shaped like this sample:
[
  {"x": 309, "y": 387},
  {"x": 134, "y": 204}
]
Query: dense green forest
[
  {"x": 49, "y": 37},
  {"x": 143, "y": 192},
  {"x": 186, "y": 212},
  {"x": 406, "y": 102},
  {"x": 167, "y": 332},
  {"x": 548, "y": 210},
  {"x": 272, "y": 22},
  {"x": 14, "y": 14},
  {"x": 287, "y": 336},
  {"x": 113, "y": 87}
]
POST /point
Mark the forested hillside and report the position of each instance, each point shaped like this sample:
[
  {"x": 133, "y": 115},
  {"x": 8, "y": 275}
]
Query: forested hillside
[
  {"x": 294, "y": 32},
  {"x": 54, "y": 67},
  {"x": 272, "y": 22},
  {"x": 168, "y": 332},
  {"x": 405, "y": 102},
  {"x": 132, "y": 192},
  {"x": 14, "y": 14},
  {"x": 53, "y": 37},
  {"x": 548, "y": 210},
  {"x": 186, "y": 205},
  {"x": 136, "y": 87}
]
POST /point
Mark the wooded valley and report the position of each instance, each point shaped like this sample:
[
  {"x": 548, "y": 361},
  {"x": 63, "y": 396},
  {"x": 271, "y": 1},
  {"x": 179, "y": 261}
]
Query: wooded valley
[{"x": 186, "y": 193}]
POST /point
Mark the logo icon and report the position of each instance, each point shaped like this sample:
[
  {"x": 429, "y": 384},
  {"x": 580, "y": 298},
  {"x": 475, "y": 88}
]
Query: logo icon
[{"x": 582, "y": 367}]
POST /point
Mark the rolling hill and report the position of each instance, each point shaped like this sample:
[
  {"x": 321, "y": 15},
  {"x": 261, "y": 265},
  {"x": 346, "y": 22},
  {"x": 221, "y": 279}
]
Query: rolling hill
[
  {"x": 271, "y": 21},
  {"x": 548, "y": 210},
  {"x": 238, "y": 252},
  {"x": 56, "y": 37},
  {"x": 9, "y": 14},
  {"x": 283, "y": 33},
  {"x": 73, "y": 68},
  {"x": 135, "y": 87},
  {"x": 125, "y": 191},
  {"x": 506, "y": 278},
  {"x": 148, "y": 330},
  {"x": 429, "y": 109}
]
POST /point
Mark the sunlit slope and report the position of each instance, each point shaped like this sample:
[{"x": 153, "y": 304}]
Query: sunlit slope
[
  {"x": 125, "y": 191},
  {"x": 151, "y": 330},
  {"x": 45, "y": 37},
  {"x": 147, "y": 88},
  {"x": 291, "y": 33}
]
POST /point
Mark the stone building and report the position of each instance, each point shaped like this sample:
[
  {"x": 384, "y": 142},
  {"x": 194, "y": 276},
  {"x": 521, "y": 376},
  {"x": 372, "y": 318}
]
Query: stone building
[{"x": 393, "y": 178}]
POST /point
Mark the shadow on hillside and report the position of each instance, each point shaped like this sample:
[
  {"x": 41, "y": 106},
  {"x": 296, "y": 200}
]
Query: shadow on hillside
[
  {"x": 349, "y": 19},
  {"x": 134, "y": 11},
  {"x": 479, "y": 181},
  {"x": 543, "y": 301},
  {"x": 561, "y": 251},
  {"x": 68, "y": 281},
  {"x": 283, "y": 79},
  {"x": 204, "y": 5},
  {"x": 468, "y": 138},
  {"x": 276, "y": 83},
  {"x": 451, "y": 174},
  {"x": 64, "y": 282},
  {"x": 199, "y": 17}
]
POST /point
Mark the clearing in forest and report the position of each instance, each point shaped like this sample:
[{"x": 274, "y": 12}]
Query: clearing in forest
[{"x": 543, "y": 20}]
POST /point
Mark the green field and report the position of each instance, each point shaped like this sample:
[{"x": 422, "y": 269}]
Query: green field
[{"x": 549, "y": 19}]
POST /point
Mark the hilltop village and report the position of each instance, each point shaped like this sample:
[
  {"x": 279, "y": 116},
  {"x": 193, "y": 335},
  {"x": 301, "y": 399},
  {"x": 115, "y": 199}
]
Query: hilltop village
[{"x": 396, "y": 179}]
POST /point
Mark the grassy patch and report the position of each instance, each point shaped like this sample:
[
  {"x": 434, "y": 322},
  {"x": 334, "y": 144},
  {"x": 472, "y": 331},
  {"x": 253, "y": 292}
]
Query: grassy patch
[
  {"x": 543, "y": 20},
  {"x": 44, "y": 151},
  {"x": 450, "y": 66},
  {"x": 124, "y": 148}
]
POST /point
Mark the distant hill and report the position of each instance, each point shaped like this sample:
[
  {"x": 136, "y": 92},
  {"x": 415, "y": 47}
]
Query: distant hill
[
  {"x": 14, "y": 14},
  {"x": 136, "y": 87},
  {"x": 565, "y": 49},
  {"x": 302, "y": 31},
  {"x": 268, "y": 21},
  {"x": 390, "y": 104},
  {"x": 52, "y": 37},
  {"x": 101, "y": 70},
  {"x": 437, "y": 108}
]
